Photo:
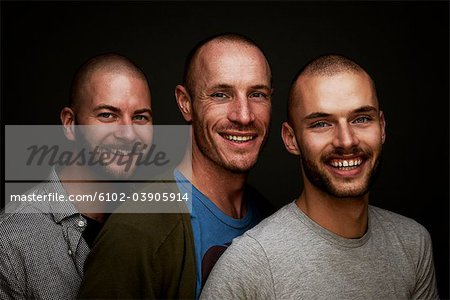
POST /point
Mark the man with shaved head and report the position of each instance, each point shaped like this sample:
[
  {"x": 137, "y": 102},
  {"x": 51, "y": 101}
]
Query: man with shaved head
[
  {"x": 330, "y": 243},
  {"x": 43, "y": 246},
  {"x": 226, "y": 96}
]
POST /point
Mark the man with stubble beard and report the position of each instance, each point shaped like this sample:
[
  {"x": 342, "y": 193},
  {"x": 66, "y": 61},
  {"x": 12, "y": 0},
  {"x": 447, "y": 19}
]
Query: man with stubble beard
[
  {"x": 226, "y": 96},
  {"x": 43, "y": 245},
  {"x": 330, "y": 243}
]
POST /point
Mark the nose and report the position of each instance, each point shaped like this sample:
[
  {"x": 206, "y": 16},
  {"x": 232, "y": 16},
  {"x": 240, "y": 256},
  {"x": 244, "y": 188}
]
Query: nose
[
  {"x": 125, "y": 130},
  {"x": 241, "y": 111},
  {"x": 345, "y": 137}
]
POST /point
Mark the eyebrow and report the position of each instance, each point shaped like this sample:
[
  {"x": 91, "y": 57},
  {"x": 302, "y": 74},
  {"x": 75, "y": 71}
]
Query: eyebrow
[
  {"x": 221, "y": 86},
  {"x": 363, "y": 109},
  {"x": 227, "y": 86},
  {"x": 108, "y": 107},
  {"x": 367, "y": 108},
  {"x": 261, "y": 86},
  {"x": 143, "y": 110},
  {"x": 316, "y": 115},
  {"x": 117, "y": 110}
]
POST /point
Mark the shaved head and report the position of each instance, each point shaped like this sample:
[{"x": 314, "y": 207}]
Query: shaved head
[
  {"x": 326, "y": 66},
  {"x": 192, "y": 58},
  {"x": 329, "y": 65},
  {"x": 101, "y": 64}
]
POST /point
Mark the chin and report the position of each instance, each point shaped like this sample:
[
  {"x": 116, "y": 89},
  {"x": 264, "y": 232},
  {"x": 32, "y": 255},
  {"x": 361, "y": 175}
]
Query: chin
[
  {"x": 348, "y": 192},
  {"x": 239, "y": 168},
  {"x": 121, "y": 174},
  {"x": 118, "y": 173}
]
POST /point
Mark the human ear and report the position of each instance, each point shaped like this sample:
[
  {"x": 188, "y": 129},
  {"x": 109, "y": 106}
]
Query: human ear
[
  {"x": 68, "y": 121},
  {"x": 383, "y": 127},
  {"x": 184, "y": 102},
  {"x": 289, "y": 139}
]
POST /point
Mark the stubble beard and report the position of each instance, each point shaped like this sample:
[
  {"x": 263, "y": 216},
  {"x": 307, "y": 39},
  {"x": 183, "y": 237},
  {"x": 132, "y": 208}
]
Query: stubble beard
[
  {"x": 105, "y": 172},
  {"x": 235, "y": 166},
  {"x": 319, "y": 178}
]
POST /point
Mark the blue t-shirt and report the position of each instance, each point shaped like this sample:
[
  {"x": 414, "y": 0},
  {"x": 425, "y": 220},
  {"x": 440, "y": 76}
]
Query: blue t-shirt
[{"x": 213, "y": 230}]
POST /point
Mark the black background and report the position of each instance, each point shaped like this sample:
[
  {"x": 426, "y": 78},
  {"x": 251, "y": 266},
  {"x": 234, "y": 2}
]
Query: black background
[{"x": 403, "y": 45}]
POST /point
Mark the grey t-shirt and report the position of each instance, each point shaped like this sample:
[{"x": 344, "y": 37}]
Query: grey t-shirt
[{"x": 289, "y": 256}]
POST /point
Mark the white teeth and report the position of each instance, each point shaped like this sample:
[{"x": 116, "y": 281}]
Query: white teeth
[
  {"x": 346, "y": 163},
  {"x": 236, "y": 138},
  {"x": 121, "y": 152},
  {"x": 116, "y": 151}
]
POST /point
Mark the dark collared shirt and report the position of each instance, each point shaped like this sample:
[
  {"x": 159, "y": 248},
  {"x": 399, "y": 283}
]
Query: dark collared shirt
[{"x": 42, "y": 251}]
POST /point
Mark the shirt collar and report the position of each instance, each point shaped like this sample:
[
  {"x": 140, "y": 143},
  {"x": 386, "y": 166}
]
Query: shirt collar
[{"x": 59, "y": 209}]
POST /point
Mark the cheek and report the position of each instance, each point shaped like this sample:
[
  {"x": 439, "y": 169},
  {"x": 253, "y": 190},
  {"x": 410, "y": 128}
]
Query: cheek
[
  {"x": 95, "y": 135},
  {"x": 315, "y": 143},
  {"x": 262, "y": 113},
  {"x": 145, "y": 134},
  {"x": 209, "y": 115},
  {"x": 315, "y": 147},
  {"x": 373, "y": 139}
]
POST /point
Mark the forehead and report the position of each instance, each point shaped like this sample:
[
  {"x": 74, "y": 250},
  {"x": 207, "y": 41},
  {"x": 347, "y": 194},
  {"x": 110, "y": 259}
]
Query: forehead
[
  {"x": 117, "y": 89},
  {"x": 335, "y": 94},
  {"x": 231, "y": 61}
]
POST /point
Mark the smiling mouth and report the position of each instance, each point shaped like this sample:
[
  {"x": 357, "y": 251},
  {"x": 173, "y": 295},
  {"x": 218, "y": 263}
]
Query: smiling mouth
[
  {"x": 346, "y": 164},
  {"x": 238, "y": 138},
  {"x": 120, "y": 152}
]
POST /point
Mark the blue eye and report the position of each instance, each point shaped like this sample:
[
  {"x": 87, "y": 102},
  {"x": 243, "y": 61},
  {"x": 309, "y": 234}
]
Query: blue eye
[
  {"x": 219, "y": 95},
  {"x": 105, "y": 115},
  {"x": 363, "y": 119},
  {"x": 320, "y": 124},
  {"x": 258, "y": 95},
  {"x": 141, "y": 119}
]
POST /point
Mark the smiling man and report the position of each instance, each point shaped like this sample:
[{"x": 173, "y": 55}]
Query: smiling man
[
  {"x": 330, "y": 243},
  {"x": 43, "y": 245},
  {"x": 226, "y": 96}
]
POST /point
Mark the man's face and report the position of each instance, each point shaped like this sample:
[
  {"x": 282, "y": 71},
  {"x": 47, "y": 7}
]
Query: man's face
[
  {"x": 340, "y": 131},
  {"x": 231, "y": 104},
  {"x": 118, "y": 108}
]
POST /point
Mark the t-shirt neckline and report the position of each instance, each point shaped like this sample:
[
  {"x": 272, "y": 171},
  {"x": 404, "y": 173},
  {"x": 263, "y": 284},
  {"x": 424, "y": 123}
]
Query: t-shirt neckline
[
  {"x": 328, "y": 235},
  {"x": 212, "y": 207}
]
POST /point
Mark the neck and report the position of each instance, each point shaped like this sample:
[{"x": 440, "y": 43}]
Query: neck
[
  {"x": 80, "y": 181},
  {"x": 224, "y": 188},
  {"x": 344, "y": 217}
]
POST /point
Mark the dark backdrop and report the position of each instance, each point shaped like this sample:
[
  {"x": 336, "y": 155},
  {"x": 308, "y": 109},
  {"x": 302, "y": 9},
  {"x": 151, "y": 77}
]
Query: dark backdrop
[{"x": 403, "y": 45}]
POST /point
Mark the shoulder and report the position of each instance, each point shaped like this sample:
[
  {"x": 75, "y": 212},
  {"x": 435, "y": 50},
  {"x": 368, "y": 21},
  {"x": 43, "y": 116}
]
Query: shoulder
[
  {"x": 139, "y": 239},
  {"x": 256, "y": 241},
  {"x": 24, "y": 218},
  {"x": 399, "y": 224},
  {"x": 400, "y": 232},
  {"x": 16, "y": 214},
  {"x": 19, "y": 205},
  {"x": 154, "y": 226},
  {"x": 150, "y": 219},
  {"x": 146, "y": 222},
  {"x": 269, "y": 232},
  {"x": 273, "y": 224},
  {"x": 244, "y": 269}
]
